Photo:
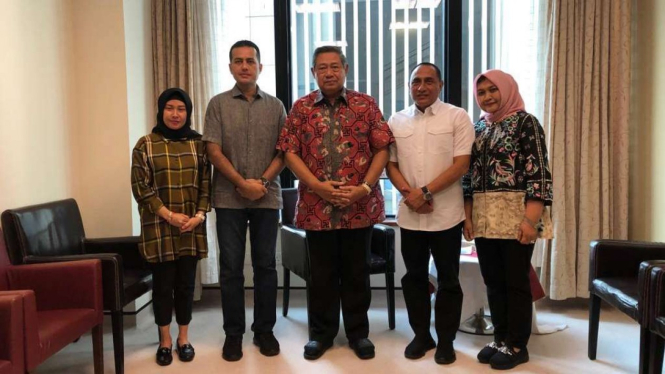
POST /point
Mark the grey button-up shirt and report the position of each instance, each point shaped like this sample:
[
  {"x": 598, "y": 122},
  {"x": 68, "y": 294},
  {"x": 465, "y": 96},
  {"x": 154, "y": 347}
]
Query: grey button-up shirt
[{"x": 247, "y": 133}]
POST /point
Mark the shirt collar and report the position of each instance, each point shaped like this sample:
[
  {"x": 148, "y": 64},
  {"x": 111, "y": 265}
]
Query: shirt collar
[
  {"x": 235, "y": 92},
  {"x": 320, "y": 98}
]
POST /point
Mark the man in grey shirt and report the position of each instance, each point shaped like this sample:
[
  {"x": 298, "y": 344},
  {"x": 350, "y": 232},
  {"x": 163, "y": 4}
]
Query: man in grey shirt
[{"x": 241, "y": 129}]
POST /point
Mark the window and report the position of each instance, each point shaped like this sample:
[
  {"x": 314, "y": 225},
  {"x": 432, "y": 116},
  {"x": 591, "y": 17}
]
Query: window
[
  {"x": 251, "y": 20},
  {"x": 382, "y": 40},
  {"x": 501, "y": 34}
]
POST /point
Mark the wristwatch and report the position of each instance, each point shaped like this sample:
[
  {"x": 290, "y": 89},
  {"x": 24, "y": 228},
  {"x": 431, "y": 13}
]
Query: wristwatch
[
  {"x": 426, "y": 194},
  {"x": 266, "y": 182}
]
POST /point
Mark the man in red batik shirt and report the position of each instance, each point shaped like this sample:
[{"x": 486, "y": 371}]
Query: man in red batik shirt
[{"x": 335, "y": 141}]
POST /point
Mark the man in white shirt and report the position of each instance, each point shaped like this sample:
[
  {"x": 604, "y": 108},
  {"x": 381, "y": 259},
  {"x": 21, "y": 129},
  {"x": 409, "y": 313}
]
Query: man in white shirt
[{"x": 431, "y": 153}]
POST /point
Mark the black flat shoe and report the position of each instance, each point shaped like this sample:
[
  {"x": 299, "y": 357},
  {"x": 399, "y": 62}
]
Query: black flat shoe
[
  {"x": 186, "y": 352},
  {"x": 507, "y": 358},
  {"x": 164, "y": 356},
  {"x": 487, "y": 352}
]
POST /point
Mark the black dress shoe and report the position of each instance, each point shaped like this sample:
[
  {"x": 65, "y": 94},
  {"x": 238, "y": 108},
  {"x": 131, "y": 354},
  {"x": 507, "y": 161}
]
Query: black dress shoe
[
  {"x": 418, "y": 347},
  {"x": 232, "y": 350},
  {"x": 164, "y": 356},
  {"x": 363, "y": 347},
  {"x": 268, "y": 345},
  {"x": 315, "y": 349},
  {"x": 186, "y": 352},
  {"x": 445, "y": 354}
]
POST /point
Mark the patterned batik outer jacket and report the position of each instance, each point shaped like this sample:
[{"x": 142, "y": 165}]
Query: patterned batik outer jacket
[{"x": 508, "y": 166}]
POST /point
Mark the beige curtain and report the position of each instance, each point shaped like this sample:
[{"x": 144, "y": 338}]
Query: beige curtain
[
  {"x": 203, "y": 57},
  {"x": 586, "y": 117},
  {"x": 170, "y": 44},
  {"x": 185, "y": 56}
]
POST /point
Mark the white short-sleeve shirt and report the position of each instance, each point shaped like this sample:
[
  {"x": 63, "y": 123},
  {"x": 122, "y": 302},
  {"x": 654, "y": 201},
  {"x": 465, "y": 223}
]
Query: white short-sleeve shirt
[{"x": 425, "y": 145}]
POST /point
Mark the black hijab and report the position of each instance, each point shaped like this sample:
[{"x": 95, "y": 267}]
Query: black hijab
[{"x": 185, "y": 132}]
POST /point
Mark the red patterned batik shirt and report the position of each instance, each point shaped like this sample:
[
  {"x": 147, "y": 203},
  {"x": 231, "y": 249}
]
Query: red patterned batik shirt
[{"x": 335, "y": 141}]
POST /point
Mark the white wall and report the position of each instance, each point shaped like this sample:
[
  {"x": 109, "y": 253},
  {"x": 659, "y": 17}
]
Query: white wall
[
  {"x": 100, "y": 123},
  {"x": 647, "y": 200},
  {"x": 140, "y": 98},
  {"x": 77, "y": 82},
  {"x": 35, "y": 97}
]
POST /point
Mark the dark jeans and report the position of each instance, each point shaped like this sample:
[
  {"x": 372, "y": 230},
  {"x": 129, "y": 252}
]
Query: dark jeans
[
  {"x": 232, "y": 233},
  {"x": 505, "y": 266},
  {"x": 445, "y": 247},
  {"x": 173, "y": 285},
  {"x": 339, "y": 271}
]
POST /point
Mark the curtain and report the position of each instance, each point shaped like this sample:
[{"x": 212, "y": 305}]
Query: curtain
[
  {"x": 586, "y": 114},
  {"x": 170, "y": 23},
  {"x": 203, "y": 82}
]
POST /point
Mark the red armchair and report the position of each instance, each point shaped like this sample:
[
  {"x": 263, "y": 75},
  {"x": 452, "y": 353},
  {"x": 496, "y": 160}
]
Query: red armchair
[
  {"x": 11, "y": 334},
  {"x": 51, "y": 305}
]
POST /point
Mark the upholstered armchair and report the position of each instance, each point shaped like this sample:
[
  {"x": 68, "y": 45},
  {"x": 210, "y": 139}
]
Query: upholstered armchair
[
  {"x": 12, "y": 360},
  {"x": 656, "y": 313},
  {"x": 295, "y": 256},
  {"x": 53, "y": 232},
  {"x": 45, "y": 307},
  {"x": 617, "y": 276}
]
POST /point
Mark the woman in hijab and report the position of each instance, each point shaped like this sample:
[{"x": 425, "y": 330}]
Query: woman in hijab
[
  {"x": 171, "y": 184},
  {"x": 505, "y": 192}
]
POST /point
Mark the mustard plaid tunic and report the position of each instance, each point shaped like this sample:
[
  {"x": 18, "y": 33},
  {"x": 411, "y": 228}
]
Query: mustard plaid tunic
[{"x": 175, "y": 174}]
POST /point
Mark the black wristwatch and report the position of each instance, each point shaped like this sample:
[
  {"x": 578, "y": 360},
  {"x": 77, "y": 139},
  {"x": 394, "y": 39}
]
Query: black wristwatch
[
  {"x": 266, "y": 183},
  {"x": 426, "y": 194}
]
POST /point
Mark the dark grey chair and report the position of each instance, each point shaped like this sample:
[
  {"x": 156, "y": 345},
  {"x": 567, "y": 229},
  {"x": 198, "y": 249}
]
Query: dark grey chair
[{"x": 617, "y": 276}]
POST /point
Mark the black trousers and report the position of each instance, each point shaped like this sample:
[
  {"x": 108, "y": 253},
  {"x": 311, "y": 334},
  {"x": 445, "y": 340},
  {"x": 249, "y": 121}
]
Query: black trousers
[
  {"x": 505, "y": 265},
  {"x": 445, "y": 247},
  {"x": 339, "y": 272},
  {"x": 173, "y": 286}
]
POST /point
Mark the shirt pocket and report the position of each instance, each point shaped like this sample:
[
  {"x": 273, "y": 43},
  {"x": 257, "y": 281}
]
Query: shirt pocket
[
  {"x": 404, "y": 139},
  {"x": 439, "y": 140}
]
